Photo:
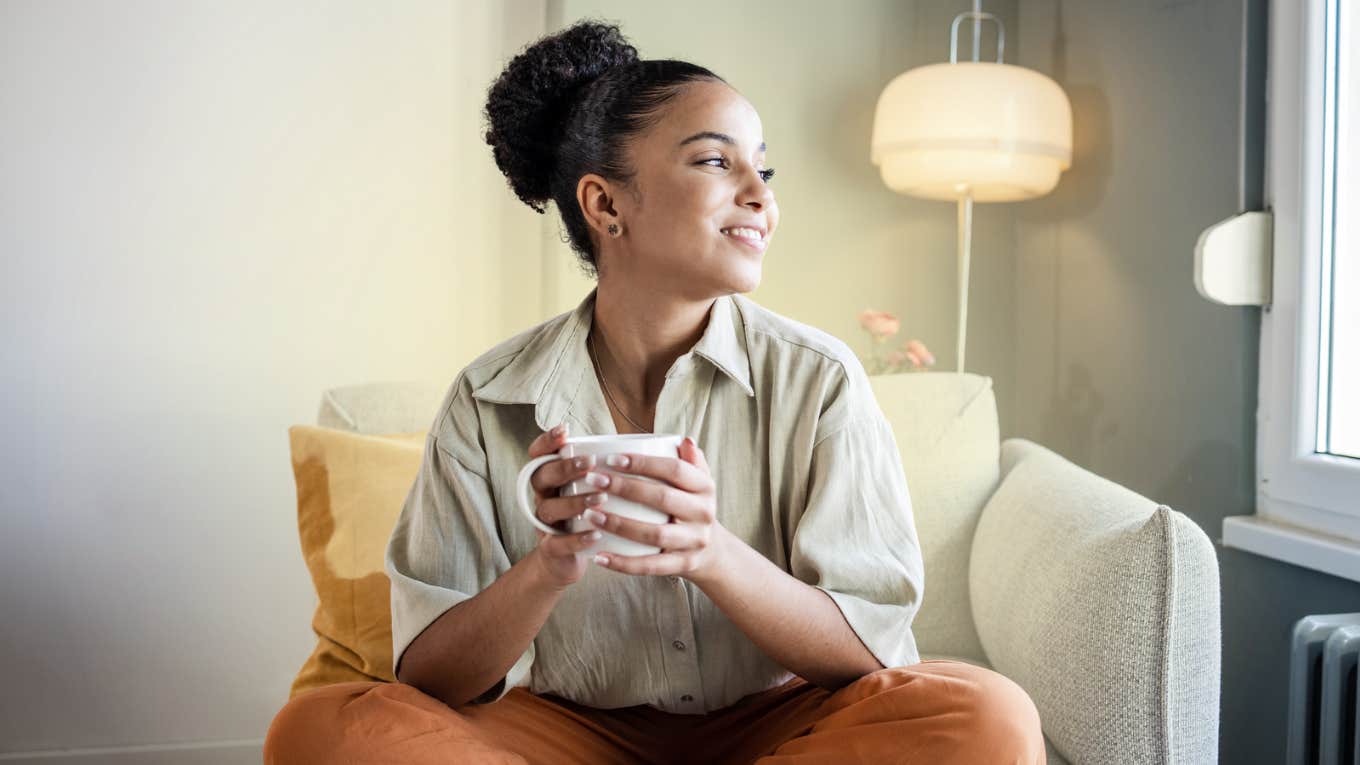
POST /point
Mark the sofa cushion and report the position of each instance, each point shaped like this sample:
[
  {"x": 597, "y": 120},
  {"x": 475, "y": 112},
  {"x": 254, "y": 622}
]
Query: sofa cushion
[
  {"x": 945, "y": 426},
  {"x": 350, "y": 490},
  {"x": 1104, "y": 606},
  {"x": 381, "y": 407}
]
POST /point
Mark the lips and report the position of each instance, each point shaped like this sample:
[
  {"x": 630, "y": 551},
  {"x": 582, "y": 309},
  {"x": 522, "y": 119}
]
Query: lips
[{"x": 750, "y": 236}]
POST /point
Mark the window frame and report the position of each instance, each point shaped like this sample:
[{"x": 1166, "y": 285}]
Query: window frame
[{"x": 1306, "y": 507}]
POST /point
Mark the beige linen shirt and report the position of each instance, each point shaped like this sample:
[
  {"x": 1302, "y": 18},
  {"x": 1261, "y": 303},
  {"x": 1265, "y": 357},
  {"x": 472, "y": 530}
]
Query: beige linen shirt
[{"x": 807, "y": 473}]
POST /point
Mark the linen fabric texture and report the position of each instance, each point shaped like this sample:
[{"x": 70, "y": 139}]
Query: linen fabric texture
[{"x": 807, "y": 473}]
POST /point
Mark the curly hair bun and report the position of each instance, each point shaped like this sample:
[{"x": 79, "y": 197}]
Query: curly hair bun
[{"x": 528, "y": 105}]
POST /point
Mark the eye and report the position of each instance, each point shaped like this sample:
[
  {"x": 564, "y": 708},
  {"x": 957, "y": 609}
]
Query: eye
[{"x": 765, "y": 175}]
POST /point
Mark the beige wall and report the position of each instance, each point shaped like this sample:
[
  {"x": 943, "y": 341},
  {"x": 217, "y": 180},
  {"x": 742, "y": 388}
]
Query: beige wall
[{"x": 208, "y": 214}]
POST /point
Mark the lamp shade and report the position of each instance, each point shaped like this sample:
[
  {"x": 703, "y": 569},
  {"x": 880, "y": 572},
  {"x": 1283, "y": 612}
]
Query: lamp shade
[{"x": 1002, "y": 132}]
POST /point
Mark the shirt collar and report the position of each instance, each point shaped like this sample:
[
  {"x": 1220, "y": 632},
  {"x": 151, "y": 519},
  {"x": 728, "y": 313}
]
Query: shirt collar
[{"x": 551, "y": 369}]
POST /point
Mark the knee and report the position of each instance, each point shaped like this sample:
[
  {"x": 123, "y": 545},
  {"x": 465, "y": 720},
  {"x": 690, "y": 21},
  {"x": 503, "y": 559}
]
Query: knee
[
  {"x": 304, "y": 728},
  {"x": 990, "y": 715},
  {"x": 1002, "y": 717}
]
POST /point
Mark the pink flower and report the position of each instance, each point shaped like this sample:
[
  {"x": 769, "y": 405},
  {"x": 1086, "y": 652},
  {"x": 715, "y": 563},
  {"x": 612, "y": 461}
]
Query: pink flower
[
  {"x": 879, "y": 323},
  {"x": 916, "y": 350}
]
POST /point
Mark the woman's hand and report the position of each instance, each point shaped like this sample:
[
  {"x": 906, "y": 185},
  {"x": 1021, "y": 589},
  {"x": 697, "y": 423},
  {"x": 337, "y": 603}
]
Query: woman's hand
[
  {"x": 690, "y": 544},
  {"x": 558, "y": 554}
]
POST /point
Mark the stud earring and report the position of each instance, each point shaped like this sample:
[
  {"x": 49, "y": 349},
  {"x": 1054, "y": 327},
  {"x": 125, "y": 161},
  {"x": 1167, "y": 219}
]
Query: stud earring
[{"x": 613, "y": 229}]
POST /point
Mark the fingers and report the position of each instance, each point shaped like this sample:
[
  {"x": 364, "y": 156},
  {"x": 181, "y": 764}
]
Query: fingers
[
  {"x": 691, "y": 453},
  {"x": 676, "y": 472},
  {"x": 684, "y": 505},
  {"x": 548, "y": 441},
  {"x": 569, "y": 544},
  {"x": 554, "y": 509},
  {"x": 667, "y": 536},
  {"x": 651, "y": 565},
  {"x": 550, "y": 477}
]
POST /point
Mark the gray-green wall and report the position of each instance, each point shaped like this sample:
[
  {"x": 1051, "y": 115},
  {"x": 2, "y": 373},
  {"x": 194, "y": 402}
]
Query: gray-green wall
[{"x": 1121, "y": 366}]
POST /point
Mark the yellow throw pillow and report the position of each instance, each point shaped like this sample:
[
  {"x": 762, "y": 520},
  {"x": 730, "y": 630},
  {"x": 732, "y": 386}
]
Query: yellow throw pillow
[{"x": 350, "y": 489}]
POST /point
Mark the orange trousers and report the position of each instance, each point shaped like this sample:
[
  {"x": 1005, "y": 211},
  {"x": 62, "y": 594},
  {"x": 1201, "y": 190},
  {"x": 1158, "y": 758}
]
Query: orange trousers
[{"x": 934, "y": 712}]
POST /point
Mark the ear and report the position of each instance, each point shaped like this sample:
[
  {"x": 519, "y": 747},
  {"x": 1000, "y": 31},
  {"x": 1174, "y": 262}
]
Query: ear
[{"x": 595, "y": 195}]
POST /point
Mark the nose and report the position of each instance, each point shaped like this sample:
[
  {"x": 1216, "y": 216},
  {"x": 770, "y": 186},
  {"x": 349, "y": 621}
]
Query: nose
[{"x": 755, "y": 192}]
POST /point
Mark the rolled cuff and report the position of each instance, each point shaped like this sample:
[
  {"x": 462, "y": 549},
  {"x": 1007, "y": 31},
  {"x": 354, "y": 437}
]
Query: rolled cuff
[
  {"x": 416, "y": 605},
  {"x": 517, "y": 676},
  {"x": 885, "y": 629}
]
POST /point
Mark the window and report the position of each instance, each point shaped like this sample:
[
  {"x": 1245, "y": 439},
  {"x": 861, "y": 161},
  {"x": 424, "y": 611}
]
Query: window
[
  {"x": 1339, "y": 419},
  {"x": 1308, "y": 417}
]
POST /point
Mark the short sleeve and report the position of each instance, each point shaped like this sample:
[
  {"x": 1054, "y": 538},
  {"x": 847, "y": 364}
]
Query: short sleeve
[
  {"x": 856, "y": 539},
  {"x": 444, "y": 549}
]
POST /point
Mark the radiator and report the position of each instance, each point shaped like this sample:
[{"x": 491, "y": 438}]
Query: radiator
[{"x": 1322, "y": 691}]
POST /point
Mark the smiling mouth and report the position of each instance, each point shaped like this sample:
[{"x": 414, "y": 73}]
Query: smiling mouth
[{"x": 746, "y": 236}]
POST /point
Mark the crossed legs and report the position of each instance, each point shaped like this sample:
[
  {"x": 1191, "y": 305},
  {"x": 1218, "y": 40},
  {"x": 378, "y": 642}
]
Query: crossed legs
[{"x": 937, "y": 711}]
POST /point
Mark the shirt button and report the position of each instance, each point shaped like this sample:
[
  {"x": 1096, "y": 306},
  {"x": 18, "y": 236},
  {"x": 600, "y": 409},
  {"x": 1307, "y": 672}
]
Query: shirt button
[
  {"x": 679, "y": 645},
  {"x": 687, "y": 697}
]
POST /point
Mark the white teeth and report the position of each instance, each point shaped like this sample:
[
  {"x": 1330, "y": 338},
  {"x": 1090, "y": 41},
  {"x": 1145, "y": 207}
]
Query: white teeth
[{"x": 744, "y": 233}]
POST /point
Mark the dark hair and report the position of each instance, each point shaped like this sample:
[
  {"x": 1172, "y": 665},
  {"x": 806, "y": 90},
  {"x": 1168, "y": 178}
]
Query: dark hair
[{"x": 565, "y": 106}]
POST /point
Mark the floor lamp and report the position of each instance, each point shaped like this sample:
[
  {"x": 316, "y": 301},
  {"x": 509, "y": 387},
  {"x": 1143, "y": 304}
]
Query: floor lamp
[{"x": 972, "y": 132}]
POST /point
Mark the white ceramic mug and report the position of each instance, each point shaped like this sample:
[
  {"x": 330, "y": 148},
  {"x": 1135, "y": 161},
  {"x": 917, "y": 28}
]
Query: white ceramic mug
[{"x": 656, "y": 444}]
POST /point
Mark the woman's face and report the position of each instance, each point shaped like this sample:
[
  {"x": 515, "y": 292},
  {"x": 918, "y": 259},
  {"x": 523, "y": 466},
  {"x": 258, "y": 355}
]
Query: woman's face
[{"x": 698, "y": 178}]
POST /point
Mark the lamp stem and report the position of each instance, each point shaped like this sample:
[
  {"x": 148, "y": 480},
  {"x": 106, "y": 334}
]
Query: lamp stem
[
  {"x": 965, "y": 250},
  {"x": 977, "y": 28}
]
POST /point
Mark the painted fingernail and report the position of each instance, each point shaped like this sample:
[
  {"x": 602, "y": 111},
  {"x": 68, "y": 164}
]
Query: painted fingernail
[
  {"x": 593, "y": 536},
  {"x": 595, "y": 517},
  {"x": 581, "y": 463},
  {"x": 616, "y": 460},
  {"x": 559, "y": 430},
  {"x": 596, "y": 499},
  {"x": 601, "y": 560},
  {"x": 598, "y": 480}
]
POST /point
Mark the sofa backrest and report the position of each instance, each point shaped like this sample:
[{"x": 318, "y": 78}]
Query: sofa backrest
[
  {"x": 945, "y": 425},
  {"x": 379, "y": 408}
]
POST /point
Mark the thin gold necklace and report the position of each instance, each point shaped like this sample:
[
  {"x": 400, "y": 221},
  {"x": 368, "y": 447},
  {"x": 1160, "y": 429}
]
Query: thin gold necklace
[{"x": 595, "y": 357}]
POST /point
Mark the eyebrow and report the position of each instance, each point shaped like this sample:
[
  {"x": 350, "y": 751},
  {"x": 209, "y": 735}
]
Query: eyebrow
[{"x": 725, "y": 138}]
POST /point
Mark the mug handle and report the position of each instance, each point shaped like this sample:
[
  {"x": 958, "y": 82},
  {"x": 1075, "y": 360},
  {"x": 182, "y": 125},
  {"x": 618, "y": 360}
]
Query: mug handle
[{"x": 524, "y": 493}]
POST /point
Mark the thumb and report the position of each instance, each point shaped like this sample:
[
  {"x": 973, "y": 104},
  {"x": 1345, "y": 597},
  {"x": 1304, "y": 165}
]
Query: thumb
[{"x": 690, "y": 452}]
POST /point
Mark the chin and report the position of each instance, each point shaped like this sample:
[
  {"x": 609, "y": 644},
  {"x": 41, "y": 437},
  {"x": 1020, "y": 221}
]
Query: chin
[
  {"x": 722, "y": 274},
  {"x": 746, "y": 281}
]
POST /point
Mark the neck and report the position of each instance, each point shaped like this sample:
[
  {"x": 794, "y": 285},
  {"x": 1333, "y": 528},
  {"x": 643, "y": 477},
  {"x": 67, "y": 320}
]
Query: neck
[{"x": 638, "y": 335}]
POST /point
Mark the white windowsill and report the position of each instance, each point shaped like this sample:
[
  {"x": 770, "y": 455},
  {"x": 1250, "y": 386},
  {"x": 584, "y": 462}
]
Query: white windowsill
[{"x": 1291, "y": 544}]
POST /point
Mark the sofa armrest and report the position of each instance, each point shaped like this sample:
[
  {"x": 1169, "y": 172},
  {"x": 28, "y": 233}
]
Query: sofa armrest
[{"x": 1104, "y": 606}]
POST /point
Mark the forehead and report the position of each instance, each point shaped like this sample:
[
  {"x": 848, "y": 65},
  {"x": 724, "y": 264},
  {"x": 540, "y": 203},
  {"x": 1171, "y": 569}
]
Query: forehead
[{"x": 708, "y": 107}]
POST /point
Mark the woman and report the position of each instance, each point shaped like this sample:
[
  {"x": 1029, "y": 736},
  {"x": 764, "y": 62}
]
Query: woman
[{"x": 775, "y": 623}]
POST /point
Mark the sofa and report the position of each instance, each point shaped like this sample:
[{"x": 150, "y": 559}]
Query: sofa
[{"x": 1102, "y": 604}]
